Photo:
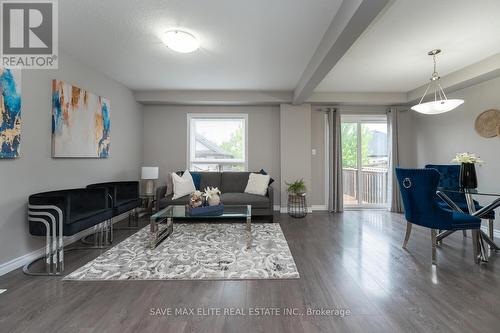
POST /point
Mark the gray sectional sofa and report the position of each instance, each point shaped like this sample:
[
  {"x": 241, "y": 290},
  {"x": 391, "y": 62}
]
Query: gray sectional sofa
[{"x": 232, "y": 185}]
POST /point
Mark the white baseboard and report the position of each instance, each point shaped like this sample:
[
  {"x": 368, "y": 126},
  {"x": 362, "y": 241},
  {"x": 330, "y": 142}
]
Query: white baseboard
[
  {"x": 319, "y": 207},
  {"x": 29, "y": 257},
  {"x": 310, "y": 209}
]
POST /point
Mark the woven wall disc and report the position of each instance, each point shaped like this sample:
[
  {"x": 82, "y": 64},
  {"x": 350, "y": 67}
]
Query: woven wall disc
[{"x": 487, "y": 124}]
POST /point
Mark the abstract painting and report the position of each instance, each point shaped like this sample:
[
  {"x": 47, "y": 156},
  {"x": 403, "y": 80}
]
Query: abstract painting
[
  {"x": 80, "y": 122},
  {"x": 10, "y": 113}
]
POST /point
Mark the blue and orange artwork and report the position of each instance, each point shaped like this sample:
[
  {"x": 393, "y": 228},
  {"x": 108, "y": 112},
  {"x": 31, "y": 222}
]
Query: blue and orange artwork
[
  {"x": 80, "y": 122},
  {"x": 10, "y": 113}
]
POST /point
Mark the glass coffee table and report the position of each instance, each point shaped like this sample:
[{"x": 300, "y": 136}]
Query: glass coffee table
[{"x": 162, "y": 222}]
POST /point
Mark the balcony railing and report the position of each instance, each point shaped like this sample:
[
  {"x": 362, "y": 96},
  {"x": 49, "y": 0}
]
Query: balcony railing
[{"x": 373, "y": 186}]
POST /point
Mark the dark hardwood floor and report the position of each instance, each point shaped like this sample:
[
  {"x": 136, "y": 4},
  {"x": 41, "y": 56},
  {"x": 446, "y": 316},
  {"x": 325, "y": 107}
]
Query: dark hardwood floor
[{"x": 351, "y": 261}]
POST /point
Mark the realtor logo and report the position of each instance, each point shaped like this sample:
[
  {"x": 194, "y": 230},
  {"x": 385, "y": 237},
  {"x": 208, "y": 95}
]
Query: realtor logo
[{"x": 29, "y": 36}]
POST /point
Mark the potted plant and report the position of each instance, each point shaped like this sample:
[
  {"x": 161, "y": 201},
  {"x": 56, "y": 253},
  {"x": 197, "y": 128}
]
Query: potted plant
[
  {"x": 297, "y": 205},
  {"x": 298, "y": 187},
  {"x": 468, "y": 178}
]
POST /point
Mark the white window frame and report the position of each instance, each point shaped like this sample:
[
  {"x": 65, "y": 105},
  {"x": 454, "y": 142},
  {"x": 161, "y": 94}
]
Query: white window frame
[{"x": 190, "y": 153}]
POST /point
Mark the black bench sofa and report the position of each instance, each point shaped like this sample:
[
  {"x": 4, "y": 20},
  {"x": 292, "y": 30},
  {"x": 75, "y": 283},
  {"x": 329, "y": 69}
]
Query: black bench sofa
[
  {"x": 65, "y": 213},
  {"x": 123, "y": 196}
]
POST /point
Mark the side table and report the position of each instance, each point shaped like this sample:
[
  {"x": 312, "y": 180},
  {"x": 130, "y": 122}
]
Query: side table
[{"x": 147, "y": 204}]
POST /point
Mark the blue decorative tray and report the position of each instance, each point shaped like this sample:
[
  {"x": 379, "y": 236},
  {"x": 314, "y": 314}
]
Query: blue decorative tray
[{"x": 205, "y": 210}]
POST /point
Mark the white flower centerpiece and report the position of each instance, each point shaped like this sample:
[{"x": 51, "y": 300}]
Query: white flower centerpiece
[
  {"x": 467, "y": 158},
  {"x": 468, "y": 178},
  {"x": 213, "y": 196}
]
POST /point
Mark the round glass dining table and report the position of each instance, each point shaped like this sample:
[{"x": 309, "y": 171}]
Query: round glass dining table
[{"x": 469, "y": 194}]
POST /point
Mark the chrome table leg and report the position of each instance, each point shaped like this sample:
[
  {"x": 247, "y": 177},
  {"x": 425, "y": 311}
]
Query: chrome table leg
[
  {"x": 491, "y": 232},
  {"x": 407, "y": 235},
  {"x": 249, "y": 232},
  {"x": 475, "y": 250},
  {"x": 477, "y": 235}
]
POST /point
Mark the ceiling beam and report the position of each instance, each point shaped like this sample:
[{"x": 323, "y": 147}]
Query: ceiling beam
[
  {"x": 481, "y": 71},
  {"x": 358, "y": 98},
  {"x": 212, "y": 97},
  {"x": 352, "y": 18}
]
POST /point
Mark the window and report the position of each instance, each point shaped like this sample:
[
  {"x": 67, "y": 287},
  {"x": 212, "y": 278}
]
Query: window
[
  {"x": 365, "y": 160},
  {"x": 217, "y": 142}
]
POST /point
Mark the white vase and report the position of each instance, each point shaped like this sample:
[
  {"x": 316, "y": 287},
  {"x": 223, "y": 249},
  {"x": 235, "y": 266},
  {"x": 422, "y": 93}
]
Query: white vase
[{"x": 214, "y": 200}]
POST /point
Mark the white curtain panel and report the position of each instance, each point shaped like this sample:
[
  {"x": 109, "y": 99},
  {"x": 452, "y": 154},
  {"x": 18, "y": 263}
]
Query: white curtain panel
[
  {"x": 395, "y": 204},
  {"x": 335, "y": 198}
]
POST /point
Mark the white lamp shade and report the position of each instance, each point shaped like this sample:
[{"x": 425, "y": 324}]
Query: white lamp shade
[
  {"x": 149, "y": 173},
  {"x": 437, "y": 107}
]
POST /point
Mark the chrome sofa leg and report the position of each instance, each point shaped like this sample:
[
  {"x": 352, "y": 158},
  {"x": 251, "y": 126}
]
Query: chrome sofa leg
[
  {"x": 433, "y": 241},
  {"x": 61, "y": 247},
  {"x": 133, "y": 213},
  {"x": 491, "y": 231},
  {"x": 105, "y": 233},
  {"x": 54, "y": 248},
  {"x": 407, "y": 235},
  {"x": 111, "y": 230},
  {"x": 95, "y": 235},
  {"x": 101, "y": 234},
  {"x": 48, "y": 250}
]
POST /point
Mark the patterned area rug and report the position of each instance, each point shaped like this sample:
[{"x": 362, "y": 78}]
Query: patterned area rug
[{"x": 198, "y": 251}]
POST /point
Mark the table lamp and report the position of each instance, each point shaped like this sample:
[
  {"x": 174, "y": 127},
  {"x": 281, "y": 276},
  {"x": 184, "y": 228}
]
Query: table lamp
[{"x": 149, "y": 174}]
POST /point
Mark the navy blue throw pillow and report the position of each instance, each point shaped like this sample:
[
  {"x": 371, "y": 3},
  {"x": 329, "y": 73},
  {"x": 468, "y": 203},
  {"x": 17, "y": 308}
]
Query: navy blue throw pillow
[
  {"x": 262, "y": 172},
  {"x": 196, "y": 179}
]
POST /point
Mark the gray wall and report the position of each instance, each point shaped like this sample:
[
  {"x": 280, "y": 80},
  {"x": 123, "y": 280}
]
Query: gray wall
[
  {"x": 165, "y": 138},
  {"x": 318, "y": 183},
  {"x": 439, "y": 137},
  {"x": 35, "y": 171},
  {"x": 295, "y": 122},
  {"x": 407, "y": 138}
]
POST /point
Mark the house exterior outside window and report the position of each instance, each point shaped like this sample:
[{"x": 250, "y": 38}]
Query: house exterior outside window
[{"x": 217, "y": 142}]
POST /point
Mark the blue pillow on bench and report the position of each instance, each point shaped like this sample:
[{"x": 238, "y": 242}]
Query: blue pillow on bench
[
  {"x": 196, "y": 179},
  {"x": 262, "y": 172}
]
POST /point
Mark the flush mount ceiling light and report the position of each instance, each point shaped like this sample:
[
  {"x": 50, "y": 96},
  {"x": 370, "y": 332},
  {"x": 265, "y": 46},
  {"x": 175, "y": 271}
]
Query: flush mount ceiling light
[
  {"x": 180, "y": 41},
  {"x": 441, "y": 105}
]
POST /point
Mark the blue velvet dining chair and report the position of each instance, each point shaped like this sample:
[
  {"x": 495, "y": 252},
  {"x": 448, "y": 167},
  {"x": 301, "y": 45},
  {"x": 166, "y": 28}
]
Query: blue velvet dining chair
[
  {"x": 418, "y": 190},
  {"x": 450, "y": 178}
]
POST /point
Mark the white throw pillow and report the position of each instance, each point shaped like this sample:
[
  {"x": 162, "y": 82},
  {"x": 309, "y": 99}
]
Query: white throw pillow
[
  {"x": 182, "y": 185},
  {"x": 257, "y": 184}
]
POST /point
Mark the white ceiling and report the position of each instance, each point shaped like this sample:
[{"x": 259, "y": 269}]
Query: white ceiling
[
  {"x": 390, "y": 56},
  {"x": 245, "y": 45}
]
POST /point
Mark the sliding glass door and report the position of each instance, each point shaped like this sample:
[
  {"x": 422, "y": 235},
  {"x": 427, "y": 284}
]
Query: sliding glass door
[{"x": 365, "y": 161}]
